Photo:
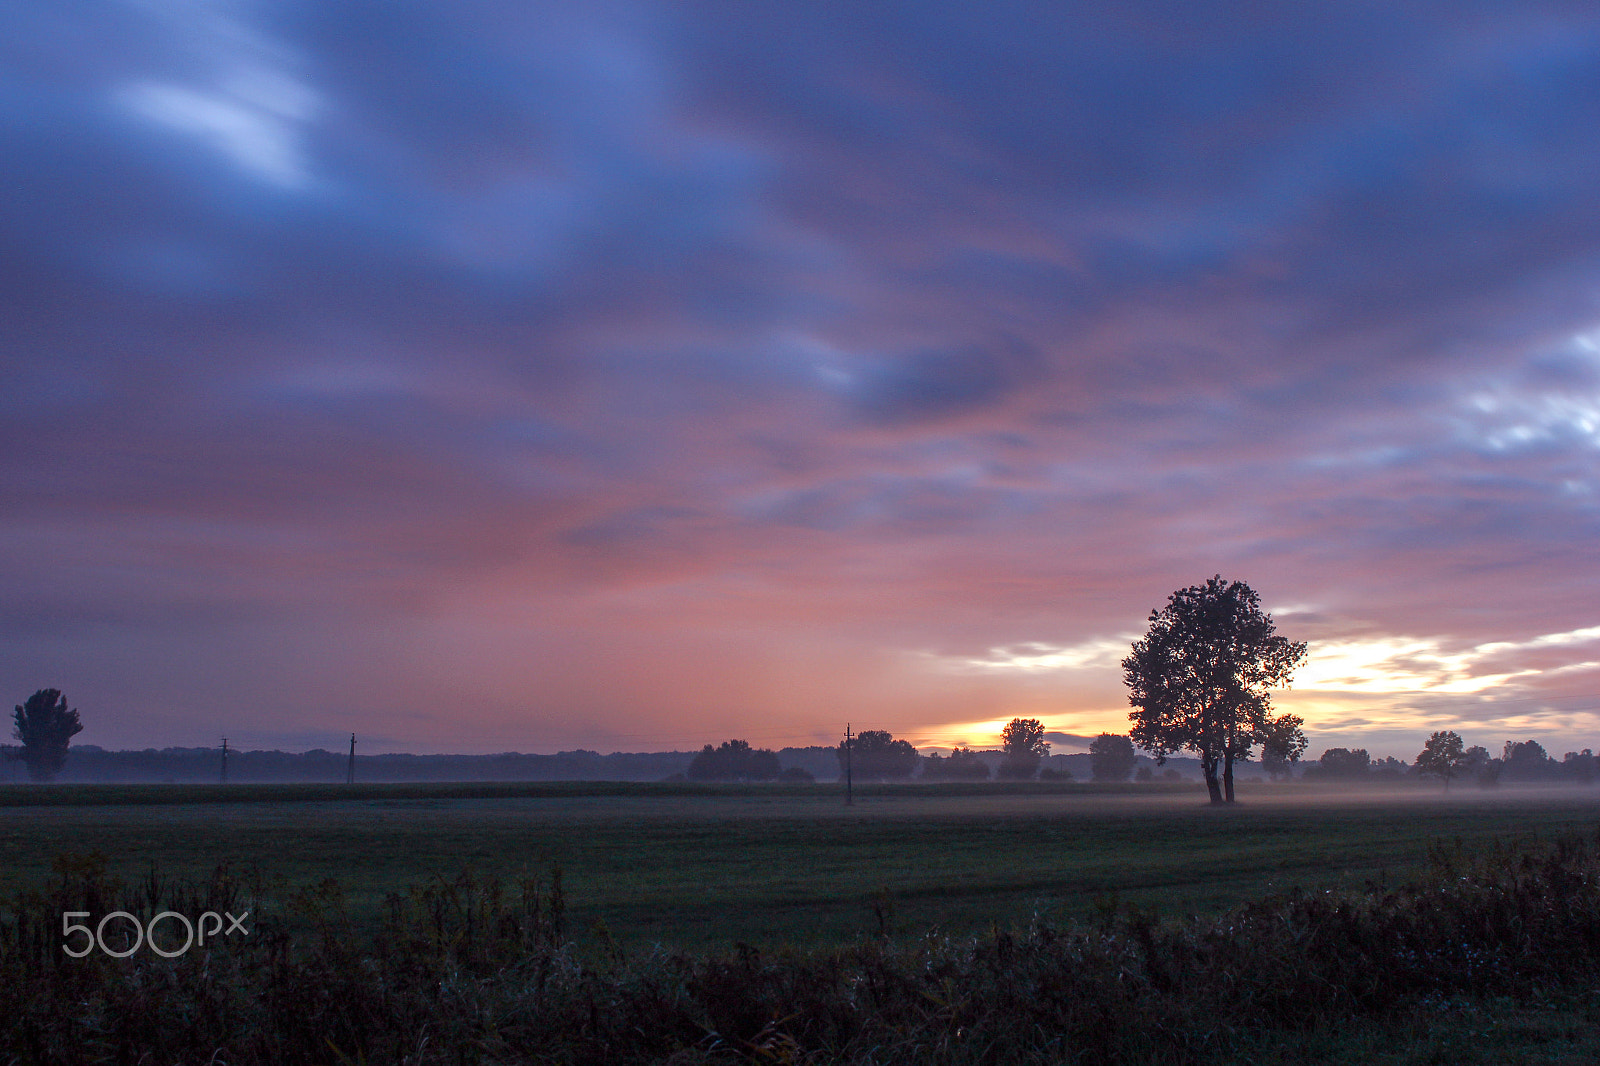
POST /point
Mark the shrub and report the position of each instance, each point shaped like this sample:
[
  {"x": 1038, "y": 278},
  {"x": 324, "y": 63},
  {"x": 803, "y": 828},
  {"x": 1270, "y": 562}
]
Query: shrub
[{"x": 470, "y": 969}]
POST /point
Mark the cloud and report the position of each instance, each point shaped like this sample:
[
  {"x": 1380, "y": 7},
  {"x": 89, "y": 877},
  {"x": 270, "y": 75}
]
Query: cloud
[
  {"x": 251, "y": 120},
  {"x": 949, "y": 341},
  {"x": 942, "y": 383},
  {"x": 1097, "y": 654}
]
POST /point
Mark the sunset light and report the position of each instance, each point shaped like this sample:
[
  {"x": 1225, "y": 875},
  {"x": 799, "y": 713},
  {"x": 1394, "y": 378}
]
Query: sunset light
[{"x": 630, "y": 378}]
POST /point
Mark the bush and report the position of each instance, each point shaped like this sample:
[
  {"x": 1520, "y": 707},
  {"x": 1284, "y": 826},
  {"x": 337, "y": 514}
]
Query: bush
[{"x": 468, "y": 969}]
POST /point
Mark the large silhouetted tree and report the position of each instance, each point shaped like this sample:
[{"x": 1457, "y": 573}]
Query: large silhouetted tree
[
  {"x": 1024, "y": 745},
  {"x": 1200, "y": 677},
  {"x": 45, "y": 727},
  {"x": 1111, "y": 757}
]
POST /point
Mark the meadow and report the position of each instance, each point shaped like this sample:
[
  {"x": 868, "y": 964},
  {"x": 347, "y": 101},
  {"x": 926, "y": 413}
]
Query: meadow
[
  {"x": 706, "y": 867},
  {"x": 700, "y": 924}
]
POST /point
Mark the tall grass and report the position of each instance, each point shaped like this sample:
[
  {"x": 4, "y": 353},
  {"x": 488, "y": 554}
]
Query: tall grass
[{"x": 473, "y": 970}]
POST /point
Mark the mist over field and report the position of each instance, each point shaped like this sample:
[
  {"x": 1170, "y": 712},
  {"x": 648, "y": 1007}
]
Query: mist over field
[{"x": 692, "y": 531}]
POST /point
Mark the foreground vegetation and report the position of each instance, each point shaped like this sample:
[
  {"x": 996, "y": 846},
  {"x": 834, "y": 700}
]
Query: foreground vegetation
[{"x": 1497, "y": 949}]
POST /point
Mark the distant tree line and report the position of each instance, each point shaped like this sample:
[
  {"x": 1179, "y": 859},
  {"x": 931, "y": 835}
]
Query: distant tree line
[
  {"x": 1446, "y": 758},
  {"x": 45, "y": 726}
]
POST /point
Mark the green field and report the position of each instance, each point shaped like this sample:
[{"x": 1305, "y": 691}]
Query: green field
[{"x": 696, "y": 866}]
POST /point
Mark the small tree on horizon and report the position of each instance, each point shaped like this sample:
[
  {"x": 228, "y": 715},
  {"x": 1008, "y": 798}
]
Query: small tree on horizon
[
  {"x": 1345, "y": 763},
  {"x": 1111, "y": 757},
  {"x": 1443, "y": 756},
  {"x": 963, "y": 764},
  {"x": 1282, "y": 744},
  {"x": 733, "y": 760},
  {"x": 878, "y": 756},
  {"x": 1025, "y": 746},
  {"x": 1528, "y": 761},
  {"x": 46, "y": 728}
]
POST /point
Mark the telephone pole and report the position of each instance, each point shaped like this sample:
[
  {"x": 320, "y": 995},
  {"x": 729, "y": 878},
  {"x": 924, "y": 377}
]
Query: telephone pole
[
  {"x": 224, "y": 778},
  {"x": 849, "y": 749},
  {"x": 350, "y": 768}
]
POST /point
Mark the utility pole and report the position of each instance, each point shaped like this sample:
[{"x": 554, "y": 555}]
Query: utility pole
[
  {"x": 849, "y": 749},
  {"x": 350, "y": 769},
  {"x": 224, "y": 760}
]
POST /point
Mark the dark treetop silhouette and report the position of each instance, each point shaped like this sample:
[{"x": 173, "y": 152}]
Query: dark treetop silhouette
[
  {"x": 734, "y": 760},
  {"x": 878, "y": 756},
  {"x": 1025, "y": 746},
  {"x": 1111, "y": 757},
  {"x": 45, "y": 726},
  {"x": 963, "y": 764},
  {"x": 1282, "y": 744},
  {"x": 1444, "y": 756},
  {"x": 1199, "y": 678}
]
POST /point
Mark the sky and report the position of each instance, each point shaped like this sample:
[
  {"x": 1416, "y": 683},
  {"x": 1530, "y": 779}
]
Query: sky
[{"x": 492, "y": 376}]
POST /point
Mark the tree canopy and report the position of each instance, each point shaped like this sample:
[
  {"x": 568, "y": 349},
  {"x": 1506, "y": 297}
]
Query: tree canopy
[
  {"x": 963, "y": 764},
  {"x": 46, "y": 727},
  {"x": 1345, "y": 762},
  {"x": 1199, "y": 679},
  {"x": 1111, "y": 757},
  {"x": 1443, "y": 756},
  {"x": 1528, "y": 761},
  {"x": 733, "y": 760},
  {"x": 1282, "y": 744},
  {"x": 1024, "y": 745},
  {"x": 877, "y": 756}
]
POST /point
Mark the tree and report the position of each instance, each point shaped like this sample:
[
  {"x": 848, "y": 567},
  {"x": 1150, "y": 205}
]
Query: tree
[
  {"x": 1282, "y": 744},
  {"x": 1199, "y": 678},
  {"x": 1345, "y": 762},
  {"x": 1111, "y": 757},
  {"x": 1024, "y": 745},
  {"x": 1579, "y": 766},
  {"x": 1528, "y": 761},
  {"x": 45, "y": 727},
  {"x": 963, "y": 764},
  {"x": 878, "y": 756},
  {"x": 1389, "y": 768},
  {"x": 1477, "y": 763},
  {"x": 1444, "y": 756},
  {"x": 733, "y": 760}
]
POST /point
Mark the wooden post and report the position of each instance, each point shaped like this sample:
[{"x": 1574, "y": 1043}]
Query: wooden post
[
  {"x": 350, "y": 769},
  {"x": 849, "y": 750}
]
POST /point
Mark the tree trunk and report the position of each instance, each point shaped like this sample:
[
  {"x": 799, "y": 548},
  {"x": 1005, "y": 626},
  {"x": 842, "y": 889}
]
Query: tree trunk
[
  {"x": 1208, "y": 767},
  {"x": 1227, "y": 777}
]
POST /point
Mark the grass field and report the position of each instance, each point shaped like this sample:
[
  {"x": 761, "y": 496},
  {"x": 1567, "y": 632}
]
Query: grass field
[
  {"x": 1485, "y": 952},
  {"x": 696, "y": 866}
]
